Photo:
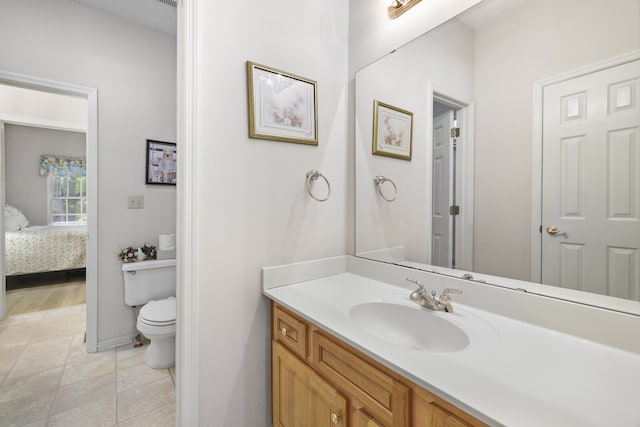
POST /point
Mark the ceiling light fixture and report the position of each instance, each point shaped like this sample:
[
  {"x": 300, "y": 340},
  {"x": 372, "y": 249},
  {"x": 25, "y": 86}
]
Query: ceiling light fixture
[{"x": 398, "y": 7}]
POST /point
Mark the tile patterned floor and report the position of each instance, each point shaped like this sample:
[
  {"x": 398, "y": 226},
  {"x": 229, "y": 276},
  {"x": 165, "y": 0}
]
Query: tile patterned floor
[{"x": 48, "y": 379}]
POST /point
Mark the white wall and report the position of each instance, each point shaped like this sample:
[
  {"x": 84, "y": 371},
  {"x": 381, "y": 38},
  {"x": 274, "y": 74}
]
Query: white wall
[
  {"x": 24, "y": 187},
  {"x": 444, "y": 58},
  {"x": 531, "y": 44},
  {"x": 252, "y": 207},
  {"x": 134, "y": 70}
]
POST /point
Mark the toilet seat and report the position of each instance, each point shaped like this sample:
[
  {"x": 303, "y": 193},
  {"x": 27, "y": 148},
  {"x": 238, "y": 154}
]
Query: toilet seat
[{"x": 159, "y": 313}]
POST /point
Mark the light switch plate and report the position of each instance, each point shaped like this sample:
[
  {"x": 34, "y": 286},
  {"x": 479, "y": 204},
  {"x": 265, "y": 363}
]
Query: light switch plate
[{"x": 135, "y": 202}]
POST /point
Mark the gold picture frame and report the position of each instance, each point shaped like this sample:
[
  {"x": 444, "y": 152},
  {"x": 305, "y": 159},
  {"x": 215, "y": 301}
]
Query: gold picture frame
[
  {"x": 282, "y": 106},
  {"x": 392, "y": 131}
]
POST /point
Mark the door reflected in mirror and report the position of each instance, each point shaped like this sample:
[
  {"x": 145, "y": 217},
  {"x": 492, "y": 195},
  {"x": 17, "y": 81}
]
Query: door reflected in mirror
[{"x": 533, "y": 86}]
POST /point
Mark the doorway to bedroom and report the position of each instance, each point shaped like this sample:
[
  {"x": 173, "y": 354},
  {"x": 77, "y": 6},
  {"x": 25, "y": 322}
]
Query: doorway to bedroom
[
  {"x": 45, "y": 217},
  {"x": 48, "y": 149}
]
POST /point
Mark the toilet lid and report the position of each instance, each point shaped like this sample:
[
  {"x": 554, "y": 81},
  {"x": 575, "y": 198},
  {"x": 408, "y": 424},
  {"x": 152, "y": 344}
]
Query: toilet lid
[{"x": 162, "y": 311}]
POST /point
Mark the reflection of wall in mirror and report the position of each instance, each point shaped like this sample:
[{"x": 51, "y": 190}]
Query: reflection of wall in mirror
[
  {"x": 530, "y": 44},
  {"x": 402, "y": 81},
  {"x": 372, "y": 34}
]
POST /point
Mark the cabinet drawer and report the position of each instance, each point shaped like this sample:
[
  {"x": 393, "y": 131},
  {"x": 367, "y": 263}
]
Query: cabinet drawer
[
  {"x": 379, "y": 394},
  {"x": 290, "y": 331}
]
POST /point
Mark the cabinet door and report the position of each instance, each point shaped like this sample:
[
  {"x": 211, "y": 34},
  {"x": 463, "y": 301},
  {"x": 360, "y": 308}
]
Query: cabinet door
[
  {"x": 375, "y": 391},
  {"x": 362, "y": 419},
  {"x": 442, "y": 418},
  {"x": 431, "y": 411},
  {"x": 300, "y": 397}
]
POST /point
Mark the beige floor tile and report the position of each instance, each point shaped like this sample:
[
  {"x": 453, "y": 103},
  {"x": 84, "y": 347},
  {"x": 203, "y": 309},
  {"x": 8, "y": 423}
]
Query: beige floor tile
[
  {"x": 69, "y": 312},
  {"x": 143, "y": 399},
  {"x": 82, "y": 393},
  {"x": 81, "y": 328},
  {"x": 17, "y": 388},
  {"x": 93, "y": 368},
  {"x": 30, "y": 365},
  {"x": 172, "y": 372},
  {"x": 19, "y": 322},
  {"x": 5, "y": 367},
  {"x": 101, "y": 413},
  {"x": 79, "y": 355},
  {"x": 27, "y": 410},
  {"x": 16, "y": 335},
  {"x": 54, "y": 330},
  {"x": 138, "y": 375},
  {"x": 23, "y": 319},
  {"x": 8, "y": 357},
  {"x": 162, "y": 417},
  {"x": 128, "y": 355},
  {"x": 40, "y": 423},
  {"x": 47, "y": 346},
  {"x": 79, "y": 340}
]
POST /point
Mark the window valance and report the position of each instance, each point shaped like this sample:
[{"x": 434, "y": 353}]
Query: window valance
[{"x": 62, "y": 166}]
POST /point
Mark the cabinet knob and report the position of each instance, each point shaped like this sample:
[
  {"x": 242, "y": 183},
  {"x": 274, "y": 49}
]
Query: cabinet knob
[
  {"x": 284, "y": 331},
  {"x": 335, "y": 418}
]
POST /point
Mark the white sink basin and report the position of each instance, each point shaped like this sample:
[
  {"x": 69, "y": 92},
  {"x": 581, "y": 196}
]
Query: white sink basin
[{"x": 415, "y": 328}]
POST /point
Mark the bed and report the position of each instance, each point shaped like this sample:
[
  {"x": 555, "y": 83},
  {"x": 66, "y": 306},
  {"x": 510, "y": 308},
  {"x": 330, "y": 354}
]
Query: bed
[{"x": 39, "y": 249}]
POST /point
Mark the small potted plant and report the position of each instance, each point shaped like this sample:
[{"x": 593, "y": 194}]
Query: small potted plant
[
  {"x": 128, "y": 254},
  {"x": 149, "y": 251}
]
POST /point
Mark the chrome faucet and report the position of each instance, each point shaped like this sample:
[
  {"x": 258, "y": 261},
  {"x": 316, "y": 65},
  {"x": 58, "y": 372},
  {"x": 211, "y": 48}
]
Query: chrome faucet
[{"x": 421, "y": 297}]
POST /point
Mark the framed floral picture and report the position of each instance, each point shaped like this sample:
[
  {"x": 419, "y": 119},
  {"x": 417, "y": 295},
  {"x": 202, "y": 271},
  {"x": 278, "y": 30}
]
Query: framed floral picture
[
  {"x": 392, "y": 131},
  {"x": 161, "y": 162},
  {"x": 282, "y": 106}
]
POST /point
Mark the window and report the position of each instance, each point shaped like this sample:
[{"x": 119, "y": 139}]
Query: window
[{"x": 67, "y": 200}]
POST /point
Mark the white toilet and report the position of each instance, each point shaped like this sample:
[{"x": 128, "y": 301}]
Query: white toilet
[{"x": 153, "y": 283}]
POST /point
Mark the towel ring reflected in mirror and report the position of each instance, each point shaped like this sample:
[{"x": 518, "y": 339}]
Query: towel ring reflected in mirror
[
  {"x": 313, "y": 175},
  {"x": 378, "y": 181}
]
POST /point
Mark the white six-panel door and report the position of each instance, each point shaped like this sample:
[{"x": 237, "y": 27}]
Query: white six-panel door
[
  {"x": 440, "y": 238},
  {"x": 591, "y": 182}
]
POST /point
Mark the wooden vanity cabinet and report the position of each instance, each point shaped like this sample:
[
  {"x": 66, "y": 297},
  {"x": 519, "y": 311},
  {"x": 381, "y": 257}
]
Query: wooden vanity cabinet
[
  {"x": 318, "y": 380},
  {"x": 300, "y": 396}
]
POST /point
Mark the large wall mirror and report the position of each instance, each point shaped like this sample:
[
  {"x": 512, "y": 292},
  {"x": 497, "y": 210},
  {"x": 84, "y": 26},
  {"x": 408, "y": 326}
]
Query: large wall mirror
[{"x": 540, "y": 179}]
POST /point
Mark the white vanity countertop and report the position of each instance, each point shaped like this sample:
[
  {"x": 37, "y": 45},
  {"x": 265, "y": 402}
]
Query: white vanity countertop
[{"x": 512, "y": 373}]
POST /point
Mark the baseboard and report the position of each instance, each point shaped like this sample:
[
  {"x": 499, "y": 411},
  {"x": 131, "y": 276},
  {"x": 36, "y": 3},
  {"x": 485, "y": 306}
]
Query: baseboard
[{"x": 115, "y": 342}]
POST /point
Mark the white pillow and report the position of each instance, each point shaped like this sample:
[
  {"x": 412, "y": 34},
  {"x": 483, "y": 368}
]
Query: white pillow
[{"x": 14, "y": 219}]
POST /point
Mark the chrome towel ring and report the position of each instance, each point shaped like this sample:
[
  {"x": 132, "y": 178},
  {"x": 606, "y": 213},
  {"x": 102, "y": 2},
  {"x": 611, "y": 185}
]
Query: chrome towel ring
[
  {"x": 378, "y": 181},
  {"x": 312, "y": 175}
]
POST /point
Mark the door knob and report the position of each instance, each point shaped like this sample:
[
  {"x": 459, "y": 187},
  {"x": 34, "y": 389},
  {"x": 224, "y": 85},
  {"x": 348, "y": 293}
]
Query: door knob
[{"x": 555, "y": 231}]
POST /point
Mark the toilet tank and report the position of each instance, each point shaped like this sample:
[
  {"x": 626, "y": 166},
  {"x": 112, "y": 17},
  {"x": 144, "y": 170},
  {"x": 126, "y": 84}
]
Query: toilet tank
[{"x": 149, "y": 280}]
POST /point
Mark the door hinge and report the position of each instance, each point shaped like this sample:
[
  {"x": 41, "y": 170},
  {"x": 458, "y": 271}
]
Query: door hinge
[
  {"x": 455, "y": 132},
  {"x": 454, "y": 210}
]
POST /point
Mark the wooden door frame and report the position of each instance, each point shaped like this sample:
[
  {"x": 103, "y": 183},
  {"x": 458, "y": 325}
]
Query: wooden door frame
[
  {"x": 91, "y": 95},
  {"x": 465, "y": 158},
  {"x": 536, "y": 150}
]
